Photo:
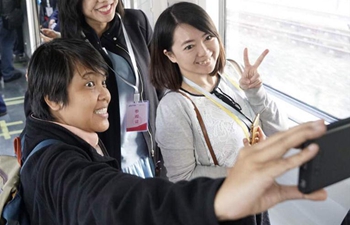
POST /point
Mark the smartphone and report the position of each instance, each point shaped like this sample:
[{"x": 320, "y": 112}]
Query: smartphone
[
  {"x": 332, "y": 162},
  {"x": 254, "y": 129}
]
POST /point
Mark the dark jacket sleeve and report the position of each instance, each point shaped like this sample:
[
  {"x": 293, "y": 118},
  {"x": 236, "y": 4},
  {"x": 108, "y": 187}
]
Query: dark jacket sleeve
[
  {"x": 54, "y": 15},
  {"x": 42, "y": 14},
  {"x": 68, "y": 188},
  {"x": 136, "y": 22},
  {"x": 148, "y": 29},
  {"x": 8, "y": 6}
]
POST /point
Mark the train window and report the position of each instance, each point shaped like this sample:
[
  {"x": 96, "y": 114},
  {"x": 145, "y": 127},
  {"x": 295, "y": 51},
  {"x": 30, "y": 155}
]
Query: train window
[{"x": 309, "y": 43}]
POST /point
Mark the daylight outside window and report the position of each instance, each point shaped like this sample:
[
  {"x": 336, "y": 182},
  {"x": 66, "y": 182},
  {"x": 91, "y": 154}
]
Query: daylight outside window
[{"x": 309, "y": 43}]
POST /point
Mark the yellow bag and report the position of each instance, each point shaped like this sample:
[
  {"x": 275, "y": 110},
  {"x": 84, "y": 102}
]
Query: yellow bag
[{"x": 9, "y": 181}]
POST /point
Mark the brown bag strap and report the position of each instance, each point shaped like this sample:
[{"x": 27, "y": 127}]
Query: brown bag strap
[
  {"x": 18, "y": 149},
  {"x": 204, "y": 130}
]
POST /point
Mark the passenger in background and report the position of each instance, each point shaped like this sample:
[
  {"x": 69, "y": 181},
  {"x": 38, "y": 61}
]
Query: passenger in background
[
  {"x": 18, "y": 50},
  {"x": 47, "y": 7},
  {"x": 54, "y": 23},
  {"x": 122, "y": 36},
  {"x": 188, "y": 58},
  {"x": 7, "y": 41},
  {"x": 3, "y": 108},
  {"x": 74, "y": 181}
]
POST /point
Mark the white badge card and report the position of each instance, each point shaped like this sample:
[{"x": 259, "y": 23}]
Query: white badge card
[
  {"x": 137, "y": 116},
  {"x": 49, "y": 11}
]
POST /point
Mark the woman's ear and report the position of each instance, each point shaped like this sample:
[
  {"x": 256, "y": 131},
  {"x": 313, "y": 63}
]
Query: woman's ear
[
  {"x": 54, "y": 106},
  {"x": 170, "y": 56}
]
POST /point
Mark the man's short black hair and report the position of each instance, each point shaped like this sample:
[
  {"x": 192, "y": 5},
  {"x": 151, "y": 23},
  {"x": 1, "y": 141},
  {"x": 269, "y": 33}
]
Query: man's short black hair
[{"x": 52, "y": 67}]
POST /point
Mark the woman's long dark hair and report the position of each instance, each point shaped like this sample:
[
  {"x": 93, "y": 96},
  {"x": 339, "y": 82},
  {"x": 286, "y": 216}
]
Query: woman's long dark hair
[{"x": 71, "y": 17}]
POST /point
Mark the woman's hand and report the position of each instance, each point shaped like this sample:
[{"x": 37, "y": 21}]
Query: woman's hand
[
  {"x": 48, "y": 34},
  {"x": 250, "y": 186},
  {"x": 250, "y": 77}
]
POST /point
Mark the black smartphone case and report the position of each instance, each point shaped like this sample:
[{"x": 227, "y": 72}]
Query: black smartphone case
[{"x": 332, "y": 163}]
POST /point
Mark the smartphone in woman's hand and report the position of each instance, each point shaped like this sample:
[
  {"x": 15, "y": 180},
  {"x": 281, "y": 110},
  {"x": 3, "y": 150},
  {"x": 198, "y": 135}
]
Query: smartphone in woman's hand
[{"x": 254, "y": 130}]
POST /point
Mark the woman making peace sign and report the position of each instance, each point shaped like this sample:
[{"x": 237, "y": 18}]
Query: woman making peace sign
[{"x": 209, "y": 108}]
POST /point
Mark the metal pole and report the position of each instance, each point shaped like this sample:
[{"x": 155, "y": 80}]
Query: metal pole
[{"x": 33, "y": 25}]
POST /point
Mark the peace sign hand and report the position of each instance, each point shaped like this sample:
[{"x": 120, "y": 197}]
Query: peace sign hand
[{"x": 250, "y": 77}]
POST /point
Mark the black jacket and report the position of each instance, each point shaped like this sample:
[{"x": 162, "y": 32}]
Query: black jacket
[
  {"x": 140, "y": 34},
  {"x": 7, "y": 6},
  {"x": 69, "y": 183}
]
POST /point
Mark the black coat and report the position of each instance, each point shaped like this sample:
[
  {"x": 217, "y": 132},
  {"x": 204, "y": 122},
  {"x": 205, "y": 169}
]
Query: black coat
[
  {"x": 70, "y": 183},
  {"x": 140, "y": 34}
]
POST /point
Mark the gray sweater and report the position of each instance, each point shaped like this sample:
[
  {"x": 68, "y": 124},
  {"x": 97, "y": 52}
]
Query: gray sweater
[{"x": 178, "y": 133}]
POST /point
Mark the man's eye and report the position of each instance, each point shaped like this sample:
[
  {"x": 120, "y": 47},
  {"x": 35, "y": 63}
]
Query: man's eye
[
  {"x": 104, "y": 84},
  {"x": 90, "y": 84}
]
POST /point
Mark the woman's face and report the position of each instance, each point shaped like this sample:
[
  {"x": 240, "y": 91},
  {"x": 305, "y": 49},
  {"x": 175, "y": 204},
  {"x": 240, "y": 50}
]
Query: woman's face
[
  {"x": 98, "y": 13},
  {"x": 194, "y": 51},
  {"x": 88, "y": 99}
]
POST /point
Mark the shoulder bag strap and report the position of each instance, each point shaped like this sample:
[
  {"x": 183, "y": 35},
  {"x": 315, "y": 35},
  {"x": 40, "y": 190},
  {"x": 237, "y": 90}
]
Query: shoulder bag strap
[
  {"x": 39, "y": 146},
  {"x": 204, "y": 130}
]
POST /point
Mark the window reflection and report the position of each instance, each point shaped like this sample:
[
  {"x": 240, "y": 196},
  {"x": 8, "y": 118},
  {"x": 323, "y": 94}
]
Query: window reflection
[{"x": 309, "y": 45}]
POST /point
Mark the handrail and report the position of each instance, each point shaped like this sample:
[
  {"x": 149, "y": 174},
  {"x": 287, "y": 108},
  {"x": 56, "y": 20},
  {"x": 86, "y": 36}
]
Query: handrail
[{"x": 33, "y": 24}]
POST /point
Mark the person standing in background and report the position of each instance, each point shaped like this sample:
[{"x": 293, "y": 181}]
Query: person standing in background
[
  {"x": 54, "y": 23},
  {"x": 3, "y": 109},
  {"x": 46, "y": 9},
  {"x": 18, "y": 50},
  {"x": 7, "y": 41}
]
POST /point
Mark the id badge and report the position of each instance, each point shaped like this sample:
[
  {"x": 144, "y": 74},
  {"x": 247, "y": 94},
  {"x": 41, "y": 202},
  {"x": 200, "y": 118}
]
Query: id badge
[
  {"x": 49, "y": 11},
  {"x": 137, "y": 116}
]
